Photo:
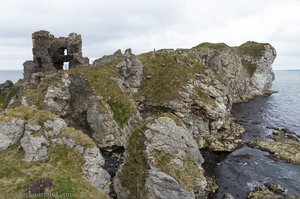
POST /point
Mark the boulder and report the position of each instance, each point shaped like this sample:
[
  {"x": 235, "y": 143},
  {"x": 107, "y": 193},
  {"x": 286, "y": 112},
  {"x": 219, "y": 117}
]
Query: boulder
[
  {"x": 35, "y": 148},
  {"x": 31, "y": 128},
  {"x": 39, "y": 186},
  {"x": 106, "y": 132},
  {"x": 53, "y": 128},
  {"x": 11, "y": 132},
  {"x": 93, "y": 171}
]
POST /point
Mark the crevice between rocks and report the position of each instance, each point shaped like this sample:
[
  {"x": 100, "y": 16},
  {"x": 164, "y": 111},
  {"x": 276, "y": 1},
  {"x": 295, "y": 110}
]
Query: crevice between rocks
[{"x": 113, "y": 160}]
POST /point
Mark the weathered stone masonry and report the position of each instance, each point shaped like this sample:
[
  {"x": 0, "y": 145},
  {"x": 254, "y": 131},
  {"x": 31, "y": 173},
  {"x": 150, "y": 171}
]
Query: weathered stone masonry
[{"x": 50, "y": 53}]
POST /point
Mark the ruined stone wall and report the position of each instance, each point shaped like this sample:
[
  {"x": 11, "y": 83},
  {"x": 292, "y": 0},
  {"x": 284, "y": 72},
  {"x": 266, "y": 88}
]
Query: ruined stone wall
[{"x": 50, "y": 53}]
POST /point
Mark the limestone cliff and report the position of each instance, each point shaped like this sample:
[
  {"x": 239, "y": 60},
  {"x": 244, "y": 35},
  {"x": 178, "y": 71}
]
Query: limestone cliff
[{"x": 137, "y": 123}]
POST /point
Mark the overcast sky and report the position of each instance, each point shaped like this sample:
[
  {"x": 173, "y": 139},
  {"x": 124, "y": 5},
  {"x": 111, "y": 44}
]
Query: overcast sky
[{"x": 143, "y": 25}]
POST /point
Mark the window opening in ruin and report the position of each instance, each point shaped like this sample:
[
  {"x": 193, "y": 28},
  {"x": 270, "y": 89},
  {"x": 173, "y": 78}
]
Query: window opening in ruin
[
  {"x": 66, "y": 66},
  {"x": 39, "y": 61},
  {"x": 66, "y": 52}
]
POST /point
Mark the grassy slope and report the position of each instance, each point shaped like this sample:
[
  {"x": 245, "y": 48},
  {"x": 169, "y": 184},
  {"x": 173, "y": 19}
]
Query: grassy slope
[
  {"x": 102, "y": 83},
  {"x": 253, "y": 49},
  {"x": 186, "y": 176},
  {"x": 135, "y": 170},
  {"x": 63, "y": 167},
  {"x": 167, "y": 74}
]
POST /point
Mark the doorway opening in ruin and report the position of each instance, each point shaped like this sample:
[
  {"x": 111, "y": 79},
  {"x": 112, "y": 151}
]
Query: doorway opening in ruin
[
  {"x": 66, "y": 65},
  {"x": 65, "y": 52}
]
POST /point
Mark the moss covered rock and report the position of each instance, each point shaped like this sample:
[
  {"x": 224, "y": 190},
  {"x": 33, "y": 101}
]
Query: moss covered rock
[{"x": 285, "y": 146}]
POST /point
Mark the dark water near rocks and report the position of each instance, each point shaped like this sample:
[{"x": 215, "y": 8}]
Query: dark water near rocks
[
  {"x": 246, "y": 168},
  {"x": 13, "y": 75}
]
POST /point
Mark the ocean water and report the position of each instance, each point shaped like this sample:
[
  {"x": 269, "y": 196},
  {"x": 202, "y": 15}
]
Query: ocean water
[
  {"x": 13, "y": 75},
  {"x": 246, "y": 168}
]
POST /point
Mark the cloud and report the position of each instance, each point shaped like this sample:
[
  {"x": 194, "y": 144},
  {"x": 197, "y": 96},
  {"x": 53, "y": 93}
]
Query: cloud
[{"x": 106, "y": 26}]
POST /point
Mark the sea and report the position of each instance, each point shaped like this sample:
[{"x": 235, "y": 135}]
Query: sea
[
  {"x": 13, "y": 75},
  {"x": 246, "y": 167}
]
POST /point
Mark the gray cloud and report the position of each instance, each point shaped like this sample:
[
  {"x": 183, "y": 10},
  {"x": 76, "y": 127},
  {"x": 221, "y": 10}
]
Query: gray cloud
[{"x": 144, "y": 25}]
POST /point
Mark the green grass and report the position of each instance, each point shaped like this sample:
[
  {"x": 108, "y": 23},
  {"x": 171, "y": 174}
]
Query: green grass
[
  {"x": 63, "y": 168},
  {"x": 168, "y": 75},
  {"x": 252, "y": 48},
  {"x": 78, "y": 136},
  {"x": 250, "y": 68},
  {"x": 204, "y": 97},
  {"x": 207, "y": 45},
  {"x": 135, "y": 170},
  {"x": 186, "y": 176},
  {"x": 174, "y": 117},
  {"x": 102, "y": 83},
  {"x": 30, "y": 115},
  {"x": 3, "y": 99}
]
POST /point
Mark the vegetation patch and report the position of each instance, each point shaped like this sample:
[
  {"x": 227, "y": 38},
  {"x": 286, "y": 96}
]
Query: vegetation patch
[
  {"x": 32, "y": 116},
  {"x": 3, "y": 99},
  {"x": 250, "y": 68},
  {"x": 174, "y": 117},
  {"x": 135, "y": 170},
  {"x": 286, "y": 149},
  {"x": 185, "y": 175},
  {"x": 77, "y": 136},
  {"x": 207, "y": 45},
  {"x": 166, "y": 73},
  {"x": 102, "y": 83},
  {"x": 252, "y": 48},
  {"x": 63, "y": 168},
  {"x": 204, "y": 97},
  {"x": 121, "y": 113}
]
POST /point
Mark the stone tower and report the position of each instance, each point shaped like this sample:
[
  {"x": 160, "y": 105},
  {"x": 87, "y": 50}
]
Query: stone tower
[{"x": 50, "y": 53}]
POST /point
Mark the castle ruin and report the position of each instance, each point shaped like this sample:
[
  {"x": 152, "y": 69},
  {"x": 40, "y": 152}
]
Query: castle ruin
[{"x": 50, "y": 53}]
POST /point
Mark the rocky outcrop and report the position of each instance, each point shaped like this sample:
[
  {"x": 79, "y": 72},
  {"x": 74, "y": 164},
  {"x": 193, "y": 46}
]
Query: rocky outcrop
[
  {"x": 158, "y": 108},
  {"x": 174, "y": 172},
  {"x": 170, "y": 172},
  {"x": 106, "y": 131},
  {"x": 11, "y": 132},
  {"x": 35, "y": 148},
  {"x": 93, "y": 171},
  {"x": 210, "y": 78},
  {"x": 261, "y": 56},
  {"x": 39, "y": 186},
  {"x": 286, "y": 145},
  {"x": 57, "y": 97},
  {"x": 53, "y": 128},
  {"x": 107, "y": 59},
  {"x": 132, "y": 70},
  {"x": 268, "y": 190},
  {"x": 6, "y": 86}
]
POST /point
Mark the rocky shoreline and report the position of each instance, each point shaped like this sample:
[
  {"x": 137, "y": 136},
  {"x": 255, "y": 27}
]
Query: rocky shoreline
[{"x": 145, "y": 126}]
